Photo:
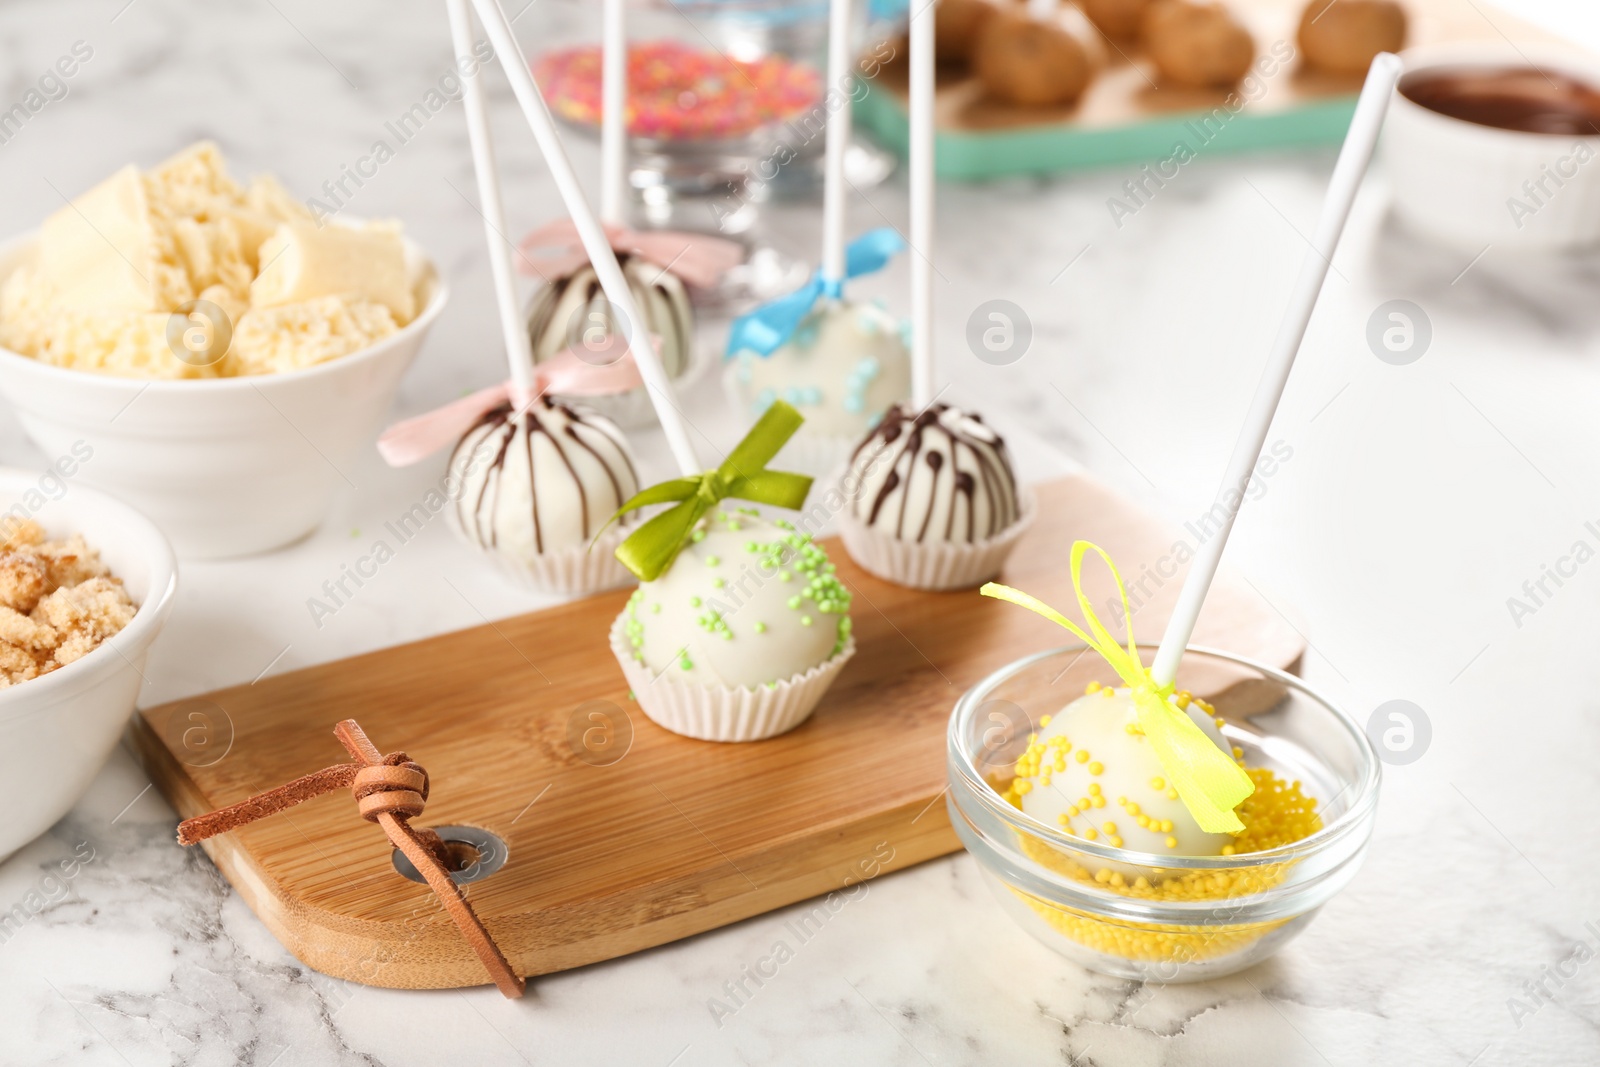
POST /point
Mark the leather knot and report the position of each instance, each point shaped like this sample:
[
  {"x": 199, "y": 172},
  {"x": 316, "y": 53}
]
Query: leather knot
[{"x": 397, "y": 787}]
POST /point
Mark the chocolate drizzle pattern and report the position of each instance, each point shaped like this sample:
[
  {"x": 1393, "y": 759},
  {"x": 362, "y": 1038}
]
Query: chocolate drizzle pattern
[
  {"x": 564, "y": 493},
  {"x": 571, "y": 304},
  {"x": 940, "y": 474}
]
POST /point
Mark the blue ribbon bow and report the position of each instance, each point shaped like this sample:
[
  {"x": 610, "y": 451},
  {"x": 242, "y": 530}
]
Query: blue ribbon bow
[{"x": 769, "y": 326}]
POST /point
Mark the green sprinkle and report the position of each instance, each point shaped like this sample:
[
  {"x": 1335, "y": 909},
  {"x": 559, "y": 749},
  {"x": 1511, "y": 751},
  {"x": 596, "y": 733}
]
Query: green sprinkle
[
  {"x": 805, "y": 620},
  {"x": 655, "y": 609},
  {"x": 694, "y": 602},
  {"x": 794, "y": 603},
  {"x": 697, "y": 536},
  {"x": 712, "y": 561},
  {"x": 760, "y": 627},
  {"x": 717, "y": 583}
]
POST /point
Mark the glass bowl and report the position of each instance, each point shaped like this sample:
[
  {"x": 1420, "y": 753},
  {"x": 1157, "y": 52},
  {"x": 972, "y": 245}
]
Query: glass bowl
[
  {"x": 726, "y": 101},
  {"x": 1143, "y": 916}
]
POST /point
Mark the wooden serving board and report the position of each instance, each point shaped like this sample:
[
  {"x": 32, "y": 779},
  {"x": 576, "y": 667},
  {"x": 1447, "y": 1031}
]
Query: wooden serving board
[
  {"x": 622, "y": 836},
  {"x": 1128, "y": 116}
]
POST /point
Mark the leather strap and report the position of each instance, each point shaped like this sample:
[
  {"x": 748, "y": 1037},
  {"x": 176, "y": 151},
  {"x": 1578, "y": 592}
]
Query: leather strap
[{"x": 390, "y": 791}]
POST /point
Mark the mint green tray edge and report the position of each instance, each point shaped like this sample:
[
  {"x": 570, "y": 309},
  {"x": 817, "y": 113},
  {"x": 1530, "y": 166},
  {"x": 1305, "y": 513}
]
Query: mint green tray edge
[{"x": 1048, "y": 149}]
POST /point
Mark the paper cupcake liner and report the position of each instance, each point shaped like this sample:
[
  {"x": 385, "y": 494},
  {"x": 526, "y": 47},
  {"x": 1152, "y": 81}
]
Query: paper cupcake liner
[
  {"x": 936, "y": 565},
  {"x": 575, "y": 571},
  {"x": 722, "y": 712}
]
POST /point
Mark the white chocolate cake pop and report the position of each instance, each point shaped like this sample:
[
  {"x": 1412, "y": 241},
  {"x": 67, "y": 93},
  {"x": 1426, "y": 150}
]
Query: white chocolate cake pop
[
  {"x": 540, "y": 482},
  {"x": 565, "y": 313},
  {"x": 939, "y": 474},
  {"x": 1091, "y": 772},
  {"x": 746, "y": 603},
  {"x": 846, "y": 363}
]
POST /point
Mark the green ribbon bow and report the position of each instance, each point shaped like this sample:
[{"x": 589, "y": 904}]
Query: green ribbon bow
[
  {"x": 1207, "y": 779},
  {"x": 650, "y": 549}
]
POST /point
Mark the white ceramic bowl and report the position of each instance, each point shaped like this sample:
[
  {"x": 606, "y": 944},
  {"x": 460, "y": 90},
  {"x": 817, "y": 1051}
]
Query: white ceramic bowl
[
  {"x": 1469, "y": 186},
  {"x": 226, "y": 466},
  {"x": 56, "y": 731}
]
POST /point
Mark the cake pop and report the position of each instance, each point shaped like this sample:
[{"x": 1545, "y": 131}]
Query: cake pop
[
  {"x": 840, "y": 361},
  {"x": 572, "y": 312},
  {"x": 845, "y": 363},
  {"x": 1198, "y": 43},
  {"x": 540, "y": 480},
  {"x": 932, "y": 499},
  {"x": 739, "y": 625},
  {"x": 746, "y": 603},
  {"x": 1091, "y": 772},
  {"x": 531, "y": 479},
  {"x": 940, "y": 474},
  {"x": 1037, "y": 62},
  {"x": 1343, "y": 37}
]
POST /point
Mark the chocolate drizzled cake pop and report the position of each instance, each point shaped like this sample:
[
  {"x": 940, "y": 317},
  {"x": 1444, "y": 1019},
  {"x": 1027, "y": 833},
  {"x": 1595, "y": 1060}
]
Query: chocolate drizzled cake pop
[
  {"x": 940, "y": 474},
  {"x": 536, "y": 486},
  {"x": 567, "y": 312}
]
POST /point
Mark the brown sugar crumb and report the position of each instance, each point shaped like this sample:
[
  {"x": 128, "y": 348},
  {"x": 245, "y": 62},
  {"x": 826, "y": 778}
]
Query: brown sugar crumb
[{"x": 58, "y": 602}]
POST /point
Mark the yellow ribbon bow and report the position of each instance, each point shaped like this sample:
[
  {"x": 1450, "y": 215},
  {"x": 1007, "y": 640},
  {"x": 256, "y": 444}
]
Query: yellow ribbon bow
[{"x": 1207, "y": 779}]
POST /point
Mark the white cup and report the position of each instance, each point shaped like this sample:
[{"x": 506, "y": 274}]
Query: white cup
[{"x": 1469, "y": 185}]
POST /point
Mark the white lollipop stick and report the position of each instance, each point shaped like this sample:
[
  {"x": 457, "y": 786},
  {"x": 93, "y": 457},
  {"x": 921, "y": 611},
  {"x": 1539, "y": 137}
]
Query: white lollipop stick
[
  {"x": 922, "y": 203},
  {"x": 833, "y": 186},
  {"x": 613, "y": 109},
  {"x": 519, "y": 350},
  {"x": 1347, "y": 174},
  {"x": 601, "y": 256}
]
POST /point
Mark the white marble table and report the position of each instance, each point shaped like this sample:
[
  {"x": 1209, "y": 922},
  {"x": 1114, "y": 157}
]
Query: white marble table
[{"x": 1416, "y": 501}]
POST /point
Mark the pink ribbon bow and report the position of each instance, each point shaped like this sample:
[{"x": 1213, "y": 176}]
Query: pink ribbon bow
[
  {"x": 554, "y": 251},
  {"x": 565, "y": 374}
]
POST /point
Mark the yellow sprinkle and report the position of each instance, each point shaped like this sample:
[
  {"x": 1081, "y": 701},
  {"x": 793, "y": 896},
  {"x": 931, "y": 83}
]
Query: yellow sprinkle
[
  {"x": 1091, "y": 833},
  {"x": 1098, "y": 801},
  {"x": 1227, "y": 850},
  {"x": 1083, "y": 802},
  {"x": 1116, "y": 842},
  {"x": 1172, "y": 794},
  {"x": 1144, "y": 821},
  {"x": 1172, "y": 842},
  {"x": 1123, "y": 801},
  {"x": 1133, "y": 809},
  {"x": 1097, "y": 767},
  {"x": 1109, "y": 692},
  {"x": 1023, "y": 788},
  {"x": 1166, "y": 826},
  {"x": 1110, "y": 827},
  {"x": 1183, "y": 699},
  {"x": 1158, "y": 784},
  {"x": 1044, "y": 720},
  {"x": 1072, "y": 811},
  {"x": 1094, "y": 789},
  {"x": 1141, "y": 882},
  {"x": 1238, "y": 753},
  {"x": 1093, "y": 687},
  {"x": 1102, "y": 876},
  {"x": 1082, "y": 756},
  {"x": 1062, "y": 819},
  {"x": 1221, "y": 722},
  {"x": 1045, "y": 780},
  {"x": 1060, "y": 765}
]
